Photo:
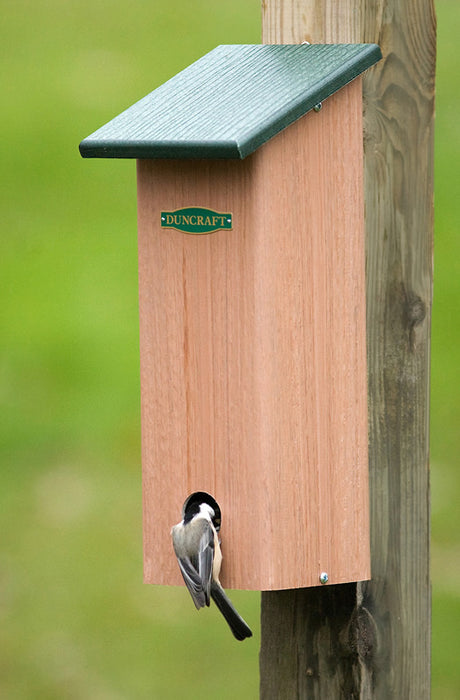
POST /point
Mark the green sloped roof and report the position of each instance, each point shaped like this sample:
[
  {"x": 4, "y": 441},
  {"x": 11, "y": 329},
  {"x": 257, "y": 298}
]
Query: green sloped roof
[{"x": 230, "y": 101}]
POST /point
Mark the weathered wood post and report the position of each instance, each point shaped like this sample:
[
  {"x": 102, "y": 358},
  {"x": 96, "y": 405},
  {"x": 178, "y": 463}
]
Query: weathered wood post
[{"x": 372, "y": 639}]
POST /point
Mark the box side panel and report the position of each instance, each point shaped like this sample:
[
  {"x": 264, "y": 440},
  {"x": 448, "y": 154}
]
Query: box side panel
[{"x": 312, "y": 343}]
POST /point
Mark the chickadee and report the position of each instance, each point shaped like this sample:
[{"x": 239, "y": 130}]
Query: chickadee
[{"x": 198, "y": 552}]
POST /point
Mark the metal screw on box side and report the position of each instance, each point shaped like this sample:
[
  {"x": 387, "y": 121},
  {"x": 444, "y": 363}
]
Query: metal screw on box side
[{"x": 323, "y": 577}]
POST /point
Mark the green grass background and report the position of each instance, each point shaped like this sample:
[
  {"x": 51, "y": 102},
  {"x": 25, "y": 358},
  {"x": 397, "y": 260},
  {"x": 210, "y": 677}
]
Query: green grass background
[{"x": 75, "y": 619}]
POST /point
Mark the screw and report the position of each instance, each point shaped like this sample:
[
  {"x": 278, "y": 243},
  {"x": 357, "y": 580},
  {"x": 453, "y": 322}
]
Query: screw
[
  {"x": 317, "y": 107},
  {"x": 323, "y": 577}
]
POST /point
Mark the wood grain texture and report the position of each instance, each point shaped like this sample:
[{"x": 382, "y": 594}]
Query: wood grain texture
[
  {"x": 253, "y": 359},
  {"x": 380, "y": 648}
]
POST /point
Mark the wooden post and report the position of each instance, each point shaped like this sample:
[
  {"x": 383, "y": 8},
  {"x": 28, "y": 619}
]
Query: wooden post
[{"x": 372, "y": 639}]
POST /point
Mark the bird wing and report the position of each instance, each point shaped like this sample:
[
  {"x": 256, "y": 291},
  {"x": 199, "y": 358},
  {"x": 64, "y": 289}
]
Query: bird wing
[
  {"x": 193, "y": 582},
  {"x": 205, "y": 560},
  {"x": 196, "y": 570}
]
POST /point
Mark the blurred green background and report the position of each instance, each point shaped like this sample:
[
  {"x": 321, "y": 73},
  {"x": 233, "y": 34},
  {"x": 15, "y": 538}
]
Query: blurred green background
[{"x": 75, "y": 619}]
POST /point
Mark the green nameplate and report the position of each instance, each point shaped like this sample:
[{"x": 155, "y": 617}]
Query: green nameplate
[{"x": 196, "y": 220}]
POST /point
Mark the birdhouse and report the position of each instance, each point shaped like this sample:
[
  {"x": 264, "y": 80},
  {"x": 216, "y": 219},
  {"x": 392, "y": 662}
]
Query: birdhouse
[{"x": 252, "y": 308}]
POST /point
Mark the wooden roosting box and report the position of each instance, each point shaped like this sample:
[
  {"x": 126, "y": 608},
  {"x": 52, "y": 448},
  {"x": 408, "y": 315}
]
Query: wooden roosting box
[{"x": 253, "y": 345}]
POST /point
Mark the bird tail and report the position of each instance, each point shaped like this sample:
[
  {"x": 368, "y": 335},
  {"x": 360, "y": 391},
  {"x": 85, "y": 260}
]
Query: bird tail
[{"x": 236, "y": 623}]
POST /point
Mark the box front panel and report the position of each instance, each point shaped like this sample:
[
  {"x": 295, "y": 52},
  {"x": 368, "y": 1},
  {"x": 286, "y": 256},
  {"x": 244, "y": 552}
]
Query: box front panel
[{"x": 196, "y": 310}]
